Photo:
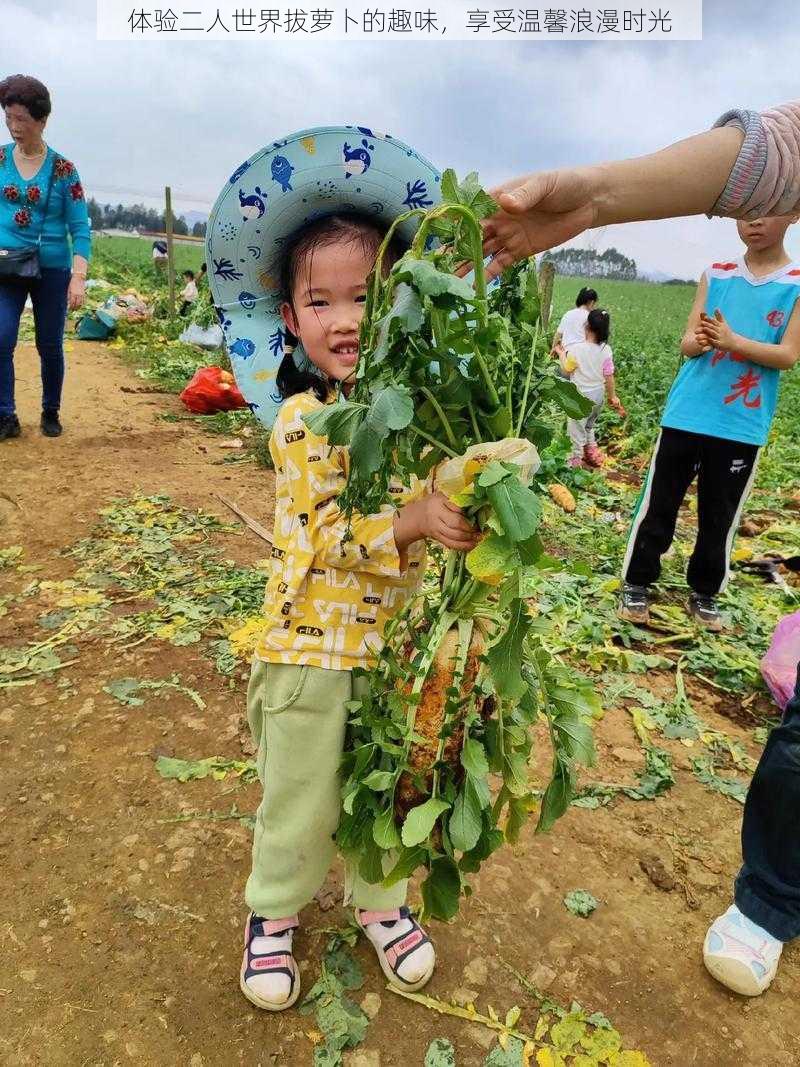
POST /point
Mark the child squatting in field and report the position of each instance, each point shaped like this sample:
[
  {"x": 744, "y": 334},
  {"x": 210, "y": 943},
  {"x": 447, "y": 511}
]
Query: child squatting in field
[
  {"x": 330, "y": 594},
  {"x": 743, "y": 330},
  {"x": 589, "y": 364}
]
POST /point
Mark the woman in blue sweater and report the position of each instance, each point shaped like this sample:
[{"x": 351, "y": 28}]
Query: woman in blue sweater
[{"x": 40, "y": 197}]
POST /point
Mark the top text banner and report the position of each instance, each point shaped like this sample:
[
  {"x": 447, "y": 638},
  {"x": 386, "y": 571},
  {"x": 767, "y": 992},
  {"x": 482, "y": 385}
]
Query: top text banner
[{"x": 434, "y": 20}]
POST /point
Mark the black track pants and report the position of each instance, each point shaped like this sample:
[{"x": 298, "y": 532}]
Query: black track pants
[{"x": 725, "y": 471}]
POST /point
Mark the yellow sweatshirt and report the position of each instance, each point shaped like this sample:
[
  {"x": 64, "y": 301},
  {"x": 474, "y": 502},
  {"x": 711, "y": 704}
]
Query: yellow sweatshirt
[{"x": 328, "y": 600}]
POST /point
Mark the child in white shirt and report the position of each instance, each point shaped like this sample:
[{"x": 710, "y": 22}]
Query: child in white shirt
[
  {"x": 572, "y": 328},
  {"x": 189, "y": 292},
  {"x": 590, "y": 366}
]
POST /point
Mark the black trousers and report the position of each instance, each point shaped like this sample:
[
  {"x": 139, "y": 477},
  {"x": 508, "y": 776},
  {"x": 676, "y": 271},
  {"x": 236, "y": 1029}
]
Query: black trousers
[
  {"x": 725, "y": 471},
  {"x": 768, "y": 887}
]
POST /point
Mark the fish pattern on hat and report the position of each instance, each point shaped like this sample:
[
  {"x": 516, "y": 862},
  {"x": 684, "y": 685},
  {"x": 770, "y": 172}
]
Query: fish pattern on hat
[{"x": 292, "y": 181}]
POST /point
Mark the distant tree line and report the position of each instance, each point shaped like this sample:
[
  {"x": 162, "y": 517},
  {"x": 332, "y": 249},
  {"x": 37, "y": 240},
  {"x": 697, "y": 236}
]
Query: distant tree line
[
  {"x": 587, "y": 263},
  {"x": 138, "y": 217}
]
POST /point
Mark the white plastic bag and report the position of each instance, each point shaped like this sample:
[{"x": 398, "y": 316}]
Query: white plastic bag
[
  {"x": 203, "y": 337},
  {"x": 455, "y": 475}
]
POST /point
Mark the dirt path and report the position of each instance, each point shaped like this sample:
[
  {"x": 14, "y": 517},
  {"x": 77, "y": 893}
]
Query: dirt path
[{"x": 120, "y": 927}]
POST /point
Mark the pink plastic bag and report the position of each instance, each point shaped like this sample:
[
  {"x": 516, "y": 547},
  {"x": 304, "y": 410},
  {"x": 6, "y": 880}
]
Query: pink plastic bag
[{"x": 779, "y": 665}]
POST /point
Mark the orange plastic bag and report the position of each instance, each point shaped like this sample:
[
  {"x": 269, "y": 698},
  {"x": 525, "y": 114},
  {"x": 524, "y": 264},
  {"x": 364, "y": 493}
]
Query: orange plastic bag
[{"x": 212, "y": 389}]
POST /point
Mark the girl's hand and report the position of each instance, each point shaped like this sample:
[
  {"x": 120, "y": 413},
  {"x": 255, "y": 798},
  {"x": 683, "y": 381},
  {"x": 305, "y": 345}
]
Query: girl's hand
[
  {"x": 436, "y": 517},
  {"x": 717, "y": 331},
  {"x": 616, "y": 403},
  {"x": 76, "y": 294}
]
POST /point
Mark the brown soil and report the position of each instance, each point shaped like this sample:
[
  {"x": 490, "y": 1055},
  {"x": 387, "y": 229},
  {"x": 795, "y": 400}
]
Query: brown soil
[{"x": 120, "y": 930}]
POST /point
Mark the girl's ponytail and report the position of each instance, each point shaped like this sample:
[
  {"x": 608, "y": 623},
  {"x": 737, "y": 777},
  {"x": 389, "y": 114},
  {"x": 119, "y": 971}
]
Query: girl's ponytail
[{"x": 599, "y": 322}]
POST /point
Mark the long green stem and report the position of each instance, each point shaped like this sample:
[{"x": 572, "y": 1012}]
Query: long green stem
[
  {"x": 479, "y": 284},
  {"x": 528, "y": 377},
  {"x": 474, "y": 421},
  {"x": 449, "y": 571},
  {"x": 432, "y": 440},
  {"x": 437, "y": 407},
  {"x": 370, "y": 320}
]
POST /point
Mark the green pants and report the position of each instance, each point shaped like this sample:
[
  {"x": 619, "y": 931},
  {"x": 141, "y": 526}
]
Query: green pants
[{"x": 298, "y": 716}]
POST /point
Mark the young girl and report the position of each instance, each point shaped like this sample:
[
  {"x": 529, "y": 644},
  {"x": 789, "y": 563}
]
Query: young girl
[
  {"x": 590, "y": 366},
  {"x": 327, "y": 603}
]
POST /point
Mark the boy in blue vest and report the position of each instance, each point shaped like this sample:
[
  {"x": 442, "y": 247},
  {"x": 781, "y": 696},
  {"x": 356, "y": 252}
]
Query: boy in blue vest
[{"x": 743, "y": 330}]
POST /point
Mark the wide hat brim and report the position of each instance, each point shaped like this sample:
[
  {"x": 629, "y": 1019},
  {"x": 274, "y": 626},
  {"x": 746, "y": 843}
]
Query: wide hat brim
[{"x": 297, "y": 179}]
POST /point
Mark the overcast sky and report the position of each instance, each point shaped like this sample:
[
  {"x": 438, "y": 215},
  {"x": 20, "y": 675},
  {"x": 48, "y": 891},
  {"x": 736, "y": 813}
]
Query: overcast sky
[{"x": 136, "y": 117}]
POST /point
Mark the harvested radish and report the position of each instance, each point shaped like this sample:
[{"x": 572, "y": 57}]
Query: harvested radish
[
  {"x": 452, "y": 386},
  {"x": 562, "y": 496}
]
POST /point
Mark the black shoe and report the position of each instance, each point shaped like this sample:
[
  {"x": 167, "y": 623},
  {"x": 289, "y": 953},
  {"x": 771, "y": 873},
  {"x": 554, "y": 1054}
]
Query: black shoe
[
  {"x": 9, "y": 427},
  {"x": 51, "y": 427},
  {"x": 704, "y": 609},
  {"x": 634, "y": 605}
]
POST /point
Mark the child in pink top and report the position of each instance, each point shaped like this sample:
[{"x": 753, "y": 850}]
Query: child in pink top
[{"x": 590, "y": 366}]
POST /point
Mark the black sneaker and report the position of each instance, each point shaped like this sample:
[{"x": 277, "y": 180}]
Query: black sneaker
[
  {"x": 704, "y": 609},
  {"x": 51, "y": 427},
  {"x": 634, "y": 604},
  {"x": 9, "y": 427}
]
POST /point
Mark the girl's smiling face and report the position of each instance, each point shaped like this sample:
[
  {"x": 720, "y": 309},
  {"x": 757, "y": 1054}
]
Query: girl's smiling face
[{"x": 327, "y": 305}]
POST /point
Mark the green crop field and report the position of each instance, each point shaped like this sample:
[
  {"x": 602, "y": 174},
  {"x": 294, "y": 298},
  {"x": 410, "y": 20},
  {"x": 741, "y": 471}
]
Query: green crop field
[{"x": 122, "y": 259}]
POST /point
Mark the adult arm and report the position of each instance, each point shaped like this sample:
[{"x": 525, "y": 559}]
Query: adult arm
[
  {"x": 77, "y": 219},
  {"x": 748, "y": 166}
]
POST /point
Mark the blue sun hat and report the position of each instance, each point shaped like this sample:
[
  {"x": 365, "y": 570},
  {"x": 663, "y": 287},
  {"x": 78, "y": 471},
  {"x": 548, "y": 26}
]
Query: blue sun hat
[{"x": 292, "y": 181}]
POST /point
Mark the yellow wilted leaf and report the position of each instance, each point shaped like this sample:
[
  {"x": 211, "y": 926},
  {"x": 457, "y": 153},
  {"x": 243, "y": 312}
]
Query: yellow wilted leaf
[
  {"x": 493, "y": 1014},
  {"x": 512, "y": 1017},
  {"x": 491, "y": 560},
  {"x": 611, "y": 586},
  {"x": 81, "y": 600},
  {"x": 584, "y": 1061},
  {"x": 542, "y": 1026},
  {"x": 315, "y": 1037},
  {"x": 602, "y": 1043},
  {"x": 144, "y": 507},
  {"x": 310, "y": 144},
  {"x": 642, "y": 724},
  {"x": 629, "y": 1059},
  {"x": 548, "y": 1057},
  {"x": 742, "y": 554},
  {"x": 568, "y": 1032},
  {"x": 243, "y": 640}
]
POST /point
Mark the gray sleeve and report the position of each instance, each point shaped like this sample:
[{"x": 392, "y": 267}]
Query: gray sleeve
[{"x": 765, "y": 179}]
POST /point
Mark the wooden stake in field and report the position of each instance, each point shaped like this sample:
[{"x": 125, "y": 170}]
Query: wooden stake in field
[{"x": 170, "y": 253}]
